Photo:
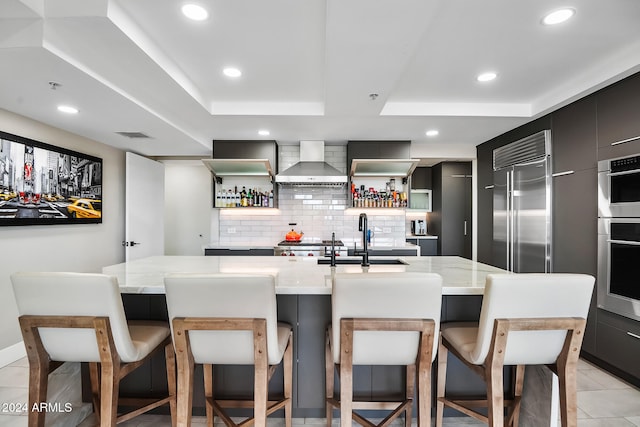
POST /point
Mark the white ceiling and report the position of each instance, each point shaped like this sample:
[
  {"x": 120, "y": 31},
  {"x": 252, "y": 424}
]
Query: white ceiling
[{"x": 308, "y": 68}]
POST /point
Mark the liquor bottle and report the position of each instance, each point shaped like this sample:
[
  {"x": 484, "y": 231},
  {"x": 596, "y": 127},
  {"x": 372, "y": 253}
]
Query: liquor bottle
[
  {"x": 243, "y": 197},
  {"x": 218, "y": 198},
  {"x": 271, "y": 198},
  {"x": 249, "y": 198}
]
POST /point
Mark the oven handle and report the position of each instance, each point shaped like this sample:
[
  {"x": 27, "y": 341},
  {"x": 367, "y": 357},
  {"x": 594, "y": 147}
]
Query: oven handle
[
  {"x": 624, "y": 172},
  {"x": 623, "y": 242},
  {"x": 631, "y": 334}
]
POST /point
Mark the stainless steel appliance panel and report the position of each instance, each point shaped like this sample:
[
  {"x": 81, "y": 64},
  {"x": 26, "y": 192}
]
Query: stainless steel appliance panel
[
  {"x": 619, "y": 187},
  {"x": 531, "y": 218},
  {"x": 522, "y": 217},
  {"x": 501, "y": 218},
  {"x": 618, "y": 255}
]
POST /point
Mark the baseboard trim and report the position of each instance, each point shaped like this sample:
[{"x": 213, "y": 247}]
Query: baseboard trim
[{"x": 12, "y": 353}]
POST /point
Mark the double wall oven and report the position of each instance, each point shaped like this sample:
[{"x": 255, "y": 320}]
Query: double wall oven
[{"x": 619, "y": 236}]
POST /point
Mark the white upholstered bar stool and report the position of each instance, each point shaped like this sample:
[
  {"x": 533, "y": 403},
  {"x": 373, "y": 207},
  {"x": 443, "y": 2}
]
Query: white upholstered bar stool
[
  {"x": 79, "y": 317},
  {"x": 526, "y": 319},
  {"x": 229, "y": 319},
  {"x": 383, "y": 319}
]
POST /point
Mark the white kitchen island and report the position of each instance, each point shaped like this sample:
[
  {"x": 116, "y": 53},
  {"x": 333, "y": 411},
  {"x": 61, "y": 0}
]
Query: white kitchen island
[
  {"x": 295, "y": 275},
  {"x": 304, "y": 301}
]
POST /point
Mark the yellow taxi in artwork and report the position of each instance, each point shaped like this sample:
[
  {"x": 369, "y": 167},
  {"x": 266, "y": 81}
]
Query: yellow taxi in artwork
[
  {"x": 7, "y": 195},
  {"x": 85, "y": 208}
]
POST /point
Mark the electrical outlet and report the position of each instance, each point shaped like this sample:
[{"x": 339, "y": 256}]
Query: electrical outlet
[
  {"x": 231, "y": 230},
  {"x": 386, "y": 229}
]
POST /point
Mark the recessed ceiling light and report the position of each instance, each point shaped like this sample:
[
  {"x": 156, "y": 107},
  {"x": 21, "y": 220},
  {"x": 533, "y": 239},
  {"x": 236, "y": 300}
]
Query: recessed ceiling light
[
  {"x": 558, "y": 16},
  {"x": 432, "y": 132},
  {"x": 232, "y": 72},
  {"x": 67, "y": 109},
  {"x": 195, "y": 12},
  {"x": 263, "y": 132},
  {"x": 487, "y": 77}
]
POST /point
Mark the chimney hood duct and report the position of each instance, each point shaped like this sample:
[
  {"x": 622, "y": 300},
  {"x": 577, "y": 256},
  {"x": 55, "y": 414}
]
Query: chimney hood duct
[{"x": 311, "y": 169}]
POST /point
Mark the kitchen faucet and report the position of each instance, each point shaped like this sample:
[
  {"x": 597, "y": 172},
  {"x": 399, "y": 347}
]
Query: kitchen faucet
[{"x": 362, "y": 226}]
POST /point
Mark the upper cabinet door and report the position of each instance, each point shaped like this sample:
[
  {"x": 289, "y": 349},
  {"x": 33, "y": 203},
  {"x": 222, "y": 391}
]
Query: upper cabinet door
[
  {"x": 619, "y": 119},
  {"x": 573, "y": 137}
]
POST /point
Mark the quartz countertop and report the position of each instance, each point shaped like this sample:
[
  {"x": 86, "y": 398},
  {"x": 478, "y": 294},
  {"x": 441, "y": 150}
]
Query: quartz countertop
[
  {"x": 424, "y": 236},
  {"x": 295, "y": 275}
]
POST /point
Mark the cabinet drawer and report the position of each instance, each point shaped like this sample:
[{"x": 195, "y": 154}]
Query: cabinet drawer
[{"x": 619, "y": 347}]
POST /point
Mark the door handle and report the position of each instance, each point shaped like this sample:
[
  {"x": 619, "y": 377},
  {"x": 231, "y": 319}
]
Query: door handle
[{"x": 131, "y": 243}]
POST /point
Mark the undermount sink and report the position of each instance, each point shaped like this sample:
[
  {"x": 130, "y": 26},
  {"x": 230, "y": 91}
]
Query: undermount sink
[{"x": 372, "y": 261}]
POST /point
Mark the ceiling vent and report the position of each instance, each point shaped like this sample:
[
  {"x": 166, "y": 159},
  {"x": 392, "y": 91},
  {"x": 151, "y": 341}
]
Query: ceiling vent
[{"x": 136, "y": 135}]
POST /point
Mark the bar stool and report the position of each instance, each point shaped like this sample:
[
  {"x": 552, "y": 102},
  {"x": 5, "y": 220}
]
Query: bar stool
[
  {"x": 382, "y": 319},
  {"x": 229, "y": 319},
  {"x": 526, "y": 319},
  {"x": 79, "y": 317}
]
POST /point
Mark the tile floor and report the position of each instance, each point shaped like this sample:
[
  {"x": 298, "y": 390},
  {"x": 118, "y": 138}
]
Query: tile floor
[{"x": 603, "y": 401}]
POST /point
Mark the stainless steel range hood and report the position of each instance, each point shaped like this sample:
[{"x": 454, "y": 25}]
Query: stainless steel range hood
[{"x": 311, "y": 169}]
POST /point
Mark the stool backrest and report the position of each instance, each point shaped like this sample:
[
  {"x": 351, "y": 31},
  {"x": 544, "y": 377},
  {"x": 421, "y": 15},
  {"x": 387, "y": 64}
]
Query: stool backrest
[
  {"x": 531, "y": 295},
  {"x": 224, "y": 296},
  {"x": 74, "y": 294},
  {"x": 385, "y": 295}
]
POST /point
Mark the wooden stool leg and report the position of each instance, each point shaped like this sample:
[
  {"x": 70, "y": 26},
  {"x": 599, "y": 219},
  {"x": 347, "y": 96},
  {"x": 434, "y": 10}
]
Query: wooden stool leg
[
  {"x": 328, "y": 380},
  {"x": 346, "y": 372},
  {"x": 170, "y": 358},
  {"x": 519, "y": 384},
  {"x": 442, "y": 379},
  {"x": 109, "y": 385},
  {"x": 185, "y": 374},
  {"x": 288, "y": 382},
  {"x": 409, "y": 393},
  {"x": 495, "y": 396},
  {"x": 207, "y": 370},
  {"x": 94, "y": 377},
  {"x": 261, "y": 376},
  {"x": 38, "y": 378},
  {"x": 568, "y": 395},
  {"x": 424, "y": 394}
]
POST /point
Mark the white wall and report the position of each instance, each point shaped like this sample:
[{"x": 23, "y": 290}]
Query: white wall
[
  {"x": 188, "y": 206},
  {"x": 82, "y": 247}
]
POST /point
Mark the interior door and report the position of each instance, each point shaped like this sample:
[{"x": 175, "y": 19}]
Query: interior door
[{"x": 144, "y": 211}]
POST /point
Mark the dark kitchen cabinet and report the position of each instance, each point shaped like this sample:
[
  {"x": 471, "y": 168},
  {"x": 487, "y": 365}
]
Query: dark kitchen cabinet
[
  {"x": 575, "y": 233},
  {"x": 574, "y": 212},
  {"x": 421, "y": 178},
  {"x": 428, "y": 247},
  {"x": 618, "y": 118},
  {"x": 224, "y": 149},
  {"x": 574, "y": 137},
  {"x": 619, "y": 344},
  {"x": 377, "y": 150},
  {"x": 450, "y": 218}
]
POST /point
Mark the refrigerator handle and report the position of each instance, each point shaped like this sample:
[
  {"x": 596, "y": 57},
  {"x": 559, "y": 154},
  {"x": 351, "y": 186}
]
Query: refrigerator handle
[
  {"x": 510, "y": 220},
  {"x": 465, "y": 228}
]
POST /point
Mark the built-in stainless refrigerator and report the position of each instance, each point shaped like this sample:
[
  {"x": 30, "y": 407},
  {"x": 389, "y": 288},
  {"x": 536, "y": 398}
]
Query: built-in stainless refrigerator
[{"x": 522, "y": 205}]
